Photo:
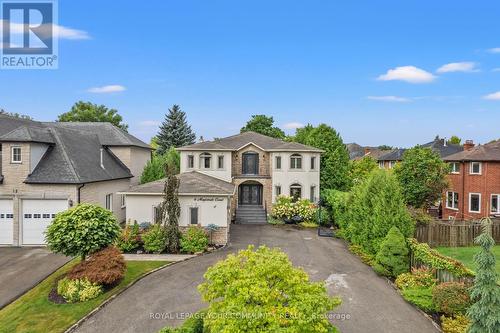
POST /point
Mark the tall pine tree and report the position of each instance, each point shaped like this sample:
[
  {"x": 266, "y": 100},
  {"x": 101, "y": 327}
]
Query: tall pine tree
[
  {"x": 174, "y": 131},
  {"x": 485, "y": 312}
]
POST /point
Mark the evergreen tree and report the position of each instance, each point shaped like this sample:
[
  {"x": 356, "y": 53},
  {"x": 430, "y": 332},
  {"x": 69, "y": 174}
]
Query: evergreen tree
[
  {"x": 376, "y": 205},
  {"x": 171, "y": 209},
  {"x": 392, "y": 259},
  {"x": 174, "y": 131},
  {"x": 485, "y": 312},
  {"x": 155, "y": 168}
]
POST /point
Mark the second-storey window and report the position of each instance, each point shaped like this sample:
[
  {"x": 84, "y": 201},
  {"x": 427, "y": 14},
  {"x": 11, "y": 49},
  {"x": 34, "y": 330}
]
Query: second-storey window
[
  {"x": 452, "y": 200},
  {"x": 205, "y": 161},
  {"x": 220, "y": 162},
  {"x": 475, "y": 202},
  {"x": 16, "y": 155},
  {"x": 295, "y": 161},
  {"x": 455, "y": 167},
  {"x": 475, "y": 168},
  {"x": 190, "y": 161},
  {"x": 495, "y": 203},
  {"x": 278, "y": 163},
  {"x": 313, "y": 163}
]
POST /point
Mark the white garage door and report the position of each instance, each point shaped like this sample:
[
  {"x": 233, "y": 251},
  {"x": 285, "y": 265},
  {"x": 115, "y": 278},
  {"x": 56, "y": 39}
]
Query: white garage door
[
  {"x": 6, "y": 222},
  {"x": 36, "y": 217}
]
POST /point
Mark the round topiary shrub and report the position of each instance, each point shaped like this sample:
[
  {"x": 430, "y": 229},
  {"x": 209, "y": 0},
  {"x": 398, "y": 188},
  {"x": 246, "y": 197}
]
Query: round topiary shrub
[
  {"x": 194, "y": 240},
  {"x": 82, "y": 230},
  {"x": 451, "y": 298}
]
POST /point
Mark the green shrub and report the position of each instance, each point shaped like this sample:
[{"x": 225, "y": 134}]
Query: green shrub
[
  {"x": 155, "y": 168},
  {"x": 392, "y": 258},
  {"x": 420, "y": 297},
  {"x": 193, "y": 324},
  {"x": 365, "y": 257},
  {"x": 79, "y": 290},
  {"x": 104, "y": 267},
  {"x": 455, "y": 324},
  {"x": 375, "y": 206},
  {"x": 419, "y": 277},
  {"x": 155, "y": 239},
  {"x": 451, "y": 298},
  {"x": 82, "y": 230},
  {"x": 432, "y": 258},
  {"x": 130, "y": 238},
  {"x": 273, "y": 295},
  {"x": 338, "y": 202},
  {"x": 194, "y": 240},
  {"x": 308, "y": 224},
  {"x": 286, "y": 208}
]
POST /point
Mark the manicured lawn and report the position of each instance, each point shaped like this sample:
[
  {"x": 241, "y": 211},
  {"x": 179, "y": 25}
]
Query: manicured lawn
[
  {"x": 33, "y": 312},
  {"x": 466, "y": 255}
]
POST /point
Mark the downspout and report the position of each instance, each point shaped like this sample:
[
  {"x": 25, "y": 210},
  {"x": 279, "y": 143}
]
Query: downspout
[
  {"x": 463, "y": 190},
  {"x": 78, "y": 197}
]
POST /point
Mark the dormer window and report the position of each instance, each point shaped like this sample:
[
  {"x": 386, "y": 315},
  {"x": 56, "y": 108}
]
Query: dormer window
[
  {"x": 206, "y": 161},
  {"x": 296, "y": 161},
  {"x": 16, "y": 155}
]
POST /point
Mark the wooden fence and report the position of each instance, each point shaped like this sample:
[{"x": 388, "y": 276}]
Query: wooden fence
[
  {"x": 453, "y": 233},
  {"x": 441, "y": 275}
]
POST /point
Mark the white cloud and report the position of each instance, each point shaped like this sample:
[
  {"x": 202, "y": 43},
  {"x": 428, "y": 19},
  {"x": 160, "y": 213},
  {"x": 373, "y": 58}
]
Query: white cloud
[
  {"x": 493, "y": 96},
  {"x": 494, "y": 50},
  {"x": 465, "y": 66},
  {"x": 106, "y": 89},
  {"x": 293, "y": 125},
  {"x": 58, "y": 30},
  {"x": 389, "y": 98},
  {"x": 410, "y": 74}
]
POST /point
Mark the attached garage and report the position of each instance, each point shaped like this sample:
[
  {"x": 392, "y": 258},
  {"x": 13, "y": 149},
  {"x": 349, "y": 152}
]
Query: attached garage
[
  {"x": 36, "y": 217},
  {"x": 6, "y": 221}
]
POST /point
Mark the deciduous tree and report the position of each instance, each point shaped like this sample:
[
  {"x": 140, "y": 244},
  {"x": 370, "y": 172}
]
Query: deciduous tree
[
  {"x": 90, "y": 112},
  {"x": 264, "y": 125}
]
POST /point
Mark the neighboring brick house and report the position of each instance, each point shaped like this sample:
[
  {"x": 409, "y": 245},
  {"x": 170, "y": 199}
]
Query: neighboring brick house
[
  {"x": 47, "y": 167},
  {"x": 474, "y": 189}
]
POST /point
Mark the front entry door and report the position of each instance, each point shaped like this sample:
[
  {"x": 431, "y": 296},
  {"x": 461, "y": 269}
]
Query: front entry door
[{"x": 250, "y": 194}]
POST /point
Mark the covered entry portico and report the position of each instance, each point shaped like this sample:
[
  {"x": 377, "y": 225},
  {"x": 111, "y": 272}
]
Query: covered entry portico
[{"x": 250, "y": 193}]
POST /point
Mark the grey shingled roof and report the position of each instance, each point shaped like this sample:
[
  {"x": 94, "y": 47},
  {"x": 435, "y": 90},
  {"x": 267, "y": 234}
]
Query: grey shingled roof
[
  {"x": 489, "y": 152},
  {"x": 192, "y": 182},
  {"x": 73, "y": 156},
  {"x": 392, "y": 155},
  {"x": 442, "y": 148},
  {"x": 238, "y": 141}
]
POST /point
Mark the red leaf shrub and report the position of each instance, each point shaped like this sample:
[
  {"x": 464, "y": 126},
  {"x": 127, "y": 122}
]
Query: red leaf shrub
[
  {"x": 104, "y": 267},
  {"x": 451, "y": 298}
]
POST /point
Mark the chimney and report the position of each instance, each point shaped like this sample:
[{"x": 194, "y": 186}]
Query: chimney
[
  {"x": 469, "y": 144},
  {"x": 367, "y": 150},
  {"x": 102, "y": 158}
]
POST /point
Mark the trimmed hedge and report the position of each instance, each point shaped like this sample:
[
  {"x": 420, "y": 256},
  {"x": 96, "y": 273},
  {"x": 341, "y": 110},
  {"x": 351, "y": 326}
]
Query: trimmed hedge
[
  {"x": 451, "y": 298},
  {"x": 432, "y": 258}
]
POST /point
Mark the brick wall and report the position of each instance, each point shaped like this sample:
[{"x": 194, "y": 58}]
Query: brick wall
[{"x": 487, "y": 183}]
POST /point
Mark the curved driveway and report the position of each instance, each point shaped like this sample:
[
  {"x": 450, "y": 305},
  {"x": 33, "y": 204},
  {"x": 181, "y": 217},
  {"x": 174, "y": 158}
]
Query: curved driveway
[{"x": 369, "y": 303}]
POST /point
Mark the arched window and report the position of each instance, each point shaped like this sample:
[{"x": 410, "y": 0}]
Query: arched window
[
  {"x": 296, "y": 191},
  {"x": 205, "y": 161},
  {"x": 296, "y": 161}
]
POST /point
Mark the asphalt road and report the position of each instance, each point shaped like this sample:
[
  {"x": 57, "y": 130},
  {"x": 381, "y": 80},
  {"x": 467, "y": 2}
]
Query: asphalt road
[
  {"x": 369, "y": 303},
  {"x": 21, "y": 268}
]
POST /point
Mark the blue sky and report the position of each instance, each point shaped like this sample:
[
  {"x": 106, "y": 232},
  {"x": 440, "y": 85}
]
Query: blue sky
[{"x": 374, "y": 70}]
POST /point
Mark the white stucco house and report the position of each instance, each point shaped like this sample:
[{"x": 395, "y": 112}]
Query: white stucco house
[{"x": 235, "y": 178}]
